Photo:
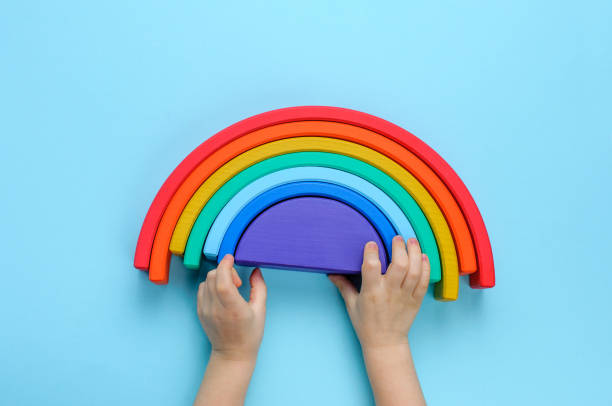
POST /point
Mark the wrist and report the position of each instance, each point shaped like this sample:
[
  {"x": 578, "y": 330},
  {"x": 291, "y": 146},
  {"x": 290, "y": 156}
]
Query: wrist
[
  {"x": 392, "y": 374},
  {"x": 397, "y": 349},
  {"x": 226, "y": 379},
  {"x": 233, "y": 356}
]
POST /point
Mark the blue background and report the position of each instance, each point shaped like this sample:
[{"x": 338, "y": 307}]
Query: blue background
[{"x": 99, "y": 101}]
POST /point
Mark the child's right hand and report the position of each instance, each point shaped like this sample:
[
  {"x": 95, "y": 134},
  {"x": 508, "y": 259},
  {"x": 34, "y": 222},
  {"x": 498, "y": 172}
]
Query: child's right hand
[
  {"x": 382, "y": 314},
  {"x": 384, "y": 310}
]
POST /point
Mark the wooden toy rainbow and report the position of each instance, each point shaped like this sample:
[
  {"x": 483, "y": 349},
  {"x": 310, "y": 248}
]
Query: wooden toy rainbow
[{"x": 367, "y": 165}]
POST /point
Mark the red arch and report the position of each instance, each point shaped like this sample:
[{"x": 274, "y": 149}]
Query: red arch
[{"x": 483, "y": 278}]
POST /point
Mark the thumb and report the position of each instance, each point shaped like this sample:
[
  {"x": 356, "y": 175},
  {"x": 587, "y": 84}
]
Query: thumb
[
  {"x": 346, "y": 288},
  {"x": 259, "y": 291}
]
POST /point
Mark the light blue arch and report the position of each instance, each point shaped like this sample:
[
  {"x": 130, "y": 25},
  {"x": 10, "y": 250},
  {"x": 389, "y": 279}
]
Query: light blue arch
[{"x": 305, "y": 173}]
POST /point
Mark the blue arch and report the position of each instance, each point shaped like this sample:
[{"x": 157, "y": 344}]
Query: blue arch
[{"x": 306, "y": 188}]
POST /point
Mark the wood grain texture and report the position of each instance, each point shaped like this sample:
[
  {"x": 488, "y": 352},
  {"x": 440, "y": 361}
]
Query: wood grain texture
[{"x": 308, "y": 233}]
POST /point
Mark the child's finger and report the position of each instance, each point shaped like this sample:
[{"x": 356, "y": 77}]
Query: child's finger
[
  {"x": 210, "y": 280},
  {"x": 399, "y": 262},
  {"x": 211, "y": 291},
  {"x": 370, "y": 269},
  {"x": 414, "y": 271},
  {"x": 226, "y": 289},
  {"x": 259, "y": 291},
  {"x": 346, "y": 289},
  {"x": 421, "y": 288}
]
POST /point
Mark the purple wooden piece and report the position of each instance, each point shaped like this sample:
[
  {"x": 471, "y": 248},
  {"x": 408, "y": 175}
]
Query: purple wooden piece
[{"x": 310, "y": 234}]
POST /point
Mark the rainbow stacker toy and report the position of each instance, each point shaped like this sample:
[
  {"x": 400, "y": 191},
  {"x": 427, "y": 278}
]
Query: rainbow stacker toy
[{"x": 305, "y": 188}]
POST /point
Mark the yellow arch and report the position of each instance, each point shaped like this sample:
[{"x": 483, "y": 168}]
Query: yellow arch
[{"x": 448, "y": 287}]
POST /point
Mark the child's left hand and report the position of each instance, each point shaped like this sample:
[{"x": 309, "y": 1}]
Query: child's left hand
[
  {"x": 234, "y": 328},
  {"x": 233, "y": 325}
]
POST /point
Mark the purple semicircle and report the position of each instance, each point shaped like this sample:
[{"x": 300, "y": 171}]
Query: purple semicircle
[{"x": 311, "y": 234}]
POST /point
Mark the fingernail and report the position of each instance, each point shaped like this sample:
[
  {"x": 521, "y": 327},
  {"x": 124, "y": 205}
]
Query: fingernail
[
  {"x": 412, "y": 241},
  {"x": 424, "y": 256},
  {"x": 370, "y": 245}
]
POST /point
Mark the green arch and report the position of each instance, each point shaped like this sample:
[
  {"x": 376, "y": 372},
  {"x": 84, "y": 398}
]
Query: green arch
[{"x": 418, "y": 221}]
